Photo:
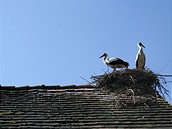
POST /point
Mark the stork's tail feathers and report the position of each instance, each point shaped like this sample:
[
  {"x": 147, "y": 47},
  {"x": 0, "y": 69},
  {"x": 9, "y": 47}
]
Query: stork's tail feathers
[{"x": 126, "y": 64}]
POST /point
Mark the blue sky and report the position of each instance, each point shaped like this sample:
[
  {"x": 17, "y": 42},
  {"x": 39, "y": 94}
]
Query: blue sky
[{"x": 54, "y": 42}]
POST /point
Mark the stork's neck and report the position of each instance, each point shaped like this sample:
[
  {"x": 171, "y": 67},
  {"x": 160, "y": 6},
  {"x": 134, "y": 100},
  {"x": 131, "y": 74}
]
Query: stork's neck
[
  {"x": 105, "y": 59},
  {"x": 140, "y": 49}
]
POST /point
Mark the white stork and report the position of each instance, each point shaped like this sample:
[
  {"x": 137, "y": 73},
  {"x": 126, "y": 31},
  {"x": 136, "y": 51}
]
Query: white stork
[
  {"x": 140, "y": 57},
  {"x": 114, "y": 62}
]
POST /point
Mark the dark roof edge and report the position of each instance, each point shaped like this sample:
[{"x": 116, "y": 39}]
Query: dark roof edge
[{"x": 45, "y": 87}]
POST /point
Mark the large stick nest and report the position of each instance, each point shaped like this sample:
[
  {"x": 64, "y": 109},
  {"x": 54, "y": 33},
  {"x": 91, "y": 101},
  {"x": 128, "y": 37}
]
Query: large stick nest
[{"x": 141, "y": 83}]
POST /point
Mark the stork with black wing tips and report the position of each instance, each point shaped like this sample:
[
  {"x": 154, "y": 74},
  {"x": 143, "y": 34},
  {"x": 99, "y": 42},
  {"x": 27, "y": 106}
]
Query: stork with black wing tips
[{"x": 114, "y": 62}]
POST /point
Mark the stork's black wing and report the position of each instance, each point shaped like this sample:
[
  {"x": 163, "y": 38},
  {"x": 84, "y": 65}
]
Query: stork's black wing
[{"x": 116, "y": 61}]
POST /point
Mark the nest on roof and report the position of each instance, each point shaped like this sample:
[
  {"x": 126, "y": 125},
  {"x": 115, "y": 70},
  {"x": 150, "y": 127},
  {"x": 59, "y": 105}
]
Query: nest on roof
[{"x": 131, "y": 82}]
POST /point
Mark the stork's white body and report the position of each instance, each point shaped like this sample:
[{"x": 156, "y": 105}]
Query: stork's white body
[
  {"x": 108, "y": 61},
  {"x": 140, "y": 58}
]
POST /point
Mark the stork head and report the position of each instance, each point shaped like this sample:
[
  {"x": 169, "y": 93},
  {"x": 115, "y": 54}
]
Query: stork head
[
  {"x": 140, "y": 45},
  {"x": 104, "y": 55}
]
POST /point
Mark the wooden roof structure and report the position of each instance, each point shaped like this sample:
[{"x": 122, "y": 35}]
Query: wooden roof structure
[{"x": 80, "y": 107}]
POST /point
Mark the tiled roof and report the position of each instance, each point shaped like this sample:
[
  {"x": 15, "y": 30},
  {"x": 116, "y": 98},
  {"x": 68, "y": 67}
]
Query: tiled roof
[{"x": 77, "y": 107}]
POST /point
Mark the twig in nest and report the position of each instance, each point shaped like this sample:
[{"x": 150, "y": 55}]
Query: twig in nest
[
  {"x": 161, "y": 88},
  {"x": 164, "y": 75},
  {"x": 132, "y": 95},
  {"x": 132, "y": 78},
  {"x": 146, "y": 105},
  {"x": 163, "y": 67},
  {"x": 85, "y": 80},
  {"x": 105, "y": 72}
]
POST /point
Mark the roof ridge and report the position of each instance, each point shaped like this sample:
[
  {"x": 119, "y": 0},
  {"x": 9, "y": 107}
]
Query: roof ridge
[{"x": 45, "y": 87}]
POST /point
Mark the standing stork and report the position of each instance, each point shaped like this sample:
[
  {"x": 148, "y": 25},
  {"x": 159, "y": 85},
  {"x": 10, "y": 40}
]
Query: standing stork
[
  {"x": 140, "y": 57},
  {"x": 114, "y": 62}
]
